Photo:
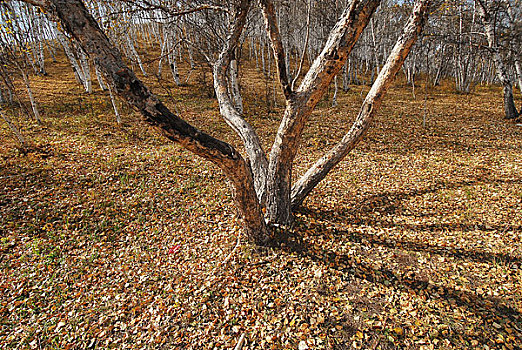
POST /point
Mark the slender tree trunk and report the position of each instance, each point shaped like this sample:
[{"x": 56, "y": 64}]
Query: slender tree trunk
[
  {"x": 234, "y": 85},
  {"x": 171, "y": 38},
  {"x": 86, "y": 69},
  {"x": 13, "y": 128},
  {"x": 34, "y": 105},
  {"x": 509, "y": 104},
  {"x": 99, "y": 77},
  {"x": 334, "y": 98},
  {"x": 78, "y": 73},
  {"x": 518, "y": 70}
]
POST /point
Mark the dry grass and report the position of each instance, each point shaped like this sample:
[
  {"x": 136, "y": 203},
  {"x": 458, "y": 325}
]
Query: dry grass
[{"x": 113, "y": 237}]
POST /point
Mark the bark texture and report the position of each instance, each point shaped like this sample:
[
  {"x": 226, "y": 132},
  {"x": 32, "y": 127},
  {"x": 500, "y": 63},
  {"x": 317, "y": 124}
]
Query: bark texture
[
  {"x": 230, "y": 113},
  {"x": 301, "y": 103},
  {"x": 510, "y": 109}
]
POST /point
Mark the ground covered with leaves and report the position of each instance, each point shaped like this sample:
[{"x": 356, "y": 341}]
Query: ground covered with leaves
[{"x": 113, "y": 237}]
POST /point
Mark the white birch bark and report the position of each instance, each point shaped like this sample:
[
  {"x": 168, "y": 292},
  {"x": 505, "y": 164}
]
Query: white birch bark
[
  {"x": 509, "y": 105},
  {"x": 234, "y": 85},
  {"x": 34, "y": 105},
  {"x": 86, "y": 71},
  {"x": 78, "y": 72}
]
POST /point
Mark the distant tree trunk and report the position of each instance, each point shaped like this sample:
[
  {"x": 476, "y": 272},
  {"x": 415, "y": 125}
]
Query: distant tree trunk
[
  {"x": 86, "y": 69},
  {"x": 336, "y": 88},
  {"x": 509, "y": 104},
  {"x": 13, "y": 128},
  {"x": 234, "y": 85},
  {"x": 78, "y": 73},
  {"x": 114, "y": 106},
  {"x": 518, "y": 69},
  {"x": 34, "y": 105},
  {"x": 171, "y": 47},
  {"x": 99, "y": 77}
]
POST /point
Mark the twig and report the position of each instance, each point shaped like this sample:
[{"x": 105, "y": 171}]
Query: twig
[
  {"x": 241, "y": 342},
  {"x": 231, "y": 253},
  {"x": 305, "y": 47},
  {"x": 13, "y": 128}
]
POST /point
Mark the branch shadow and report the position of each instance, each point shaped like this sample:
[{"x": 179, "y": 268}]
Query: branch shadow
[
  {"x": 390, "y": 203},
  {"x": 489, "y": 309}
]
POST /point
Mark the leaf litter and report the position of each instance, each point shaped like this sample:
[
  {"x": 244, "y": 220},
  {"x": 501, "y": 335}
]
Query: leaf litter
[{"x": 112, "y": 237}]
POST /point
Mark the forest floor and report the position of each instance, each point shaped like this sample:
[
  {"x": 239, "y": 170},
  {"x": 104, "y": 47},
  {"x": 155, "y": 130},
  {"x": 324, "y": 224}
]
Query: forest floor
[{"x": 114, "y": 237}]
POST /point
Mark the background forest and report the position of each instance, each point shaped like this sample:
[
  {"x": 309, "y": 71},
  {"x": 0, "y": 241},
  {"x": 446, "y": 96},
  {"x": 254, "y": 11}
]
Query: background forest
[{"x": 113, "y": 236}]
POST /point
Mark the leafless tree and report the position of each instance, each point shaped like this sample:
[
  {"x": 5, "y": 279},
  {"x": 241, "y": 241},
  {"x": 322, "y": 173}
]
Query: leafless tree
[{"x": 262, "y": 179}]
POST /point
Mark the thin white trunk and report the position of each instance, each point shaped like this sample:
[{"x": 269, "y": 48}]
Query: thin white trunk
[
  {"x": 13, "y": 128},
  {"x": 509, "y": 104},
  {"x": 86, "y": 69},
  {"x": 234, "y": 86},
  {"x": 171, "y": 38},
  {"x": 114, "y": 106},
  {"x": 99, "y": 77},
  {"x": 334, "y": 99},
  {"x": 134, "y": 53},
  {"x": 78, "y": 73},
  {"x": 518, "y": 70},
  {"x": 34, "y": 106}
]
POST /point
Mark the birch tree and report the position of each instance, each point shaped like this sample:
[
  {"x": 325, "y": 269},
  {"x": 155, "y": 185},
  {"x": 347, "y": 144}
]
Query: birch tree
[{"x": 488, "y": 20}]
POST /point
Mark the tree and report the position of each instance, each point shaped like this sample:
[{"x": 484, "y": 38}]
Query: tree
[
  {"x": 260, "y": 180},
  {"x": 488, "y": 19}
]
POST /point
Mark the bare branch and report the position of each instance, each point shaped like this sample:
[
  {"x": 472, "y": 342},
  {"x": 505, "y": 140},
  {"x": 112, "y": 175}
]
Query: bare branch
[
  {"x": 267, "y": 7},
  {"x": 147, "y": 6},
  {"x": 305, "y": 46}
]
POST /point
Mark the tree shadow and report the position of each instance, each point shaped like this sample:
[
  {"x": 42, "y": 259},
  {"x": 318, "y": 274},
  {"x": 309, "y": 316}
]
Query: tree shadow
[
  {"x": 390, "y": 203},
  {"x": 491, "y": 310}
]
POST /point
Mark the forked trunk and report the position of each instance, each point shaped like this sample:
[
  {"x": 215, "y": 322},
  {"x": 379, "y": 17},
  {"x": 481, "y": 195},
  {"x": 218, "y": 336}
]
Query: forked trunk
[{"x": 301, "y": 103}]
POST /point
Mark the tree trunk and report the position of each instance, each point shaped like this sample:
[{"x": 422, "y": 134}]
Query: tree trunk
[
  {"x": 234, "y": 85},
  {"x": 510, "y": 110},
  {"x": 301, "y": 103},
  {"x": 13, "y": 128},
  {"x": 34, "y": 105}
]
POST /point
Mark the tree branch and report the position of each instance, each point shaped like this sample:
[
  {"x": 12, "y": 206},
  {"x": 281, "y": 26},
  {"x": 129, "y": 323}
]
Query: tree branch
[
  {"x": 267, "y": 7},
  {"x": 370, "y": 106},
  {"x": 77, "y": 20},
  {"x": 229, "y": 112}
]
